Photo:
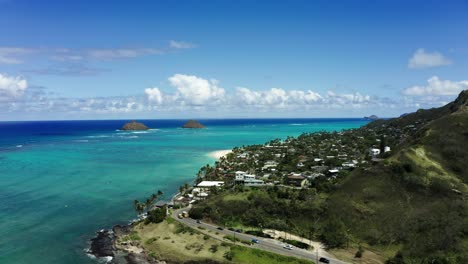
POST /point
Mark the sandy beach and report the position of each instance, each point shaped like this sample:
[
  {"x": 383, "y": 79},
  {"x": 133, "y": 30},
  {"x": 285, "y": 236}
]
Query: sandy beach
[{"x": 219, "y": 153}]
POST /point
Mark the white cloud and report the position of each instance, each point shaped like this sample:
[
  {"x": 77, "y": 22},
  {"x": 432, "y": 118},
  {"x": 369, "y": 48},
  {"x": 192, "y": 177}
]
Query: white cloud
[
  {"x": 154, "y": 95},
  {"x": 9, "y": 55},
  {"x": 17, "y": 55},
  {"x": 437, "y": 87},
  {"x": 297, "y": 99},
  {"x": 248, "y": 96},
  {"x": 12, "y": 87},
  {"x": 422, "y": 59},
  {"x": 193, "y": 90},
  {"x": 181, "y": 44},
  {"x": 191, "y": 94},
  {"x": 304, "y": 97},
  {"x": 109, "y": 54}
]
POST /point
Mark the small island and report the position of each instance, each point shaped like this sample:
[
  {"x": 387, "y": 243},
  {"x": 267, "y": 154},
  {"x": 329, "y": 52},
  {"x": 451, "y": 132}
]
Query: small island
[
  {"x": 372, "y": 117},
  {"x": 193, "y": 124},
  {"x": 134, "y": 126}
]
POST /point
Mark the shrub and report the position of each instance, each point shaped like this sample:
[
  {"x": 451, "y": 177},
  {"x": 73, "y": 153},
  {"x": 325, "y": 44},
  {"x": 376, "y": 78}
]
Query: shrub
[
  {"x": 229, "y": 255},
  {"x": 359, "y": 252},
  {"x": 214, "y": 248},
  {"x": 157, "y": 215}
]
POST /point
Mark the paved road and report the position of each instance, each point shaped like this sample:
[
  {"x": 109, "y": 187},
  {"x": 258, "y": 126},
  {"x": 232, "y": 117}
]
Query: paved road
[{"x": 265, "y": 243}]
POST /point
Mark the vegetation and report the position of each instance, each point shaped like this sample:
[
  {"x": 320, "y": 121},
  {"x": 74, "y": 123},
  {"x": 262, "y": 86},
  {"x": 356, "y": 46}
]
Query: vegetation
[
  {"x": 245, "y": 255},
  {"x": 164, "y": 241},
  {"x": 410, "y": 200},
  {"x": 140, "y": 207},
  {"x": 296, "y": 243}
]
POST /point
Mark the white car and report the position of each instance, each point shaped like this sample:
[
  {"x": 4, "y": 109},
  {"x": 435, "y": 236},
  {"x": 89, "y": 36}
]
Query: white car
[{"x": 287, "y": 246}]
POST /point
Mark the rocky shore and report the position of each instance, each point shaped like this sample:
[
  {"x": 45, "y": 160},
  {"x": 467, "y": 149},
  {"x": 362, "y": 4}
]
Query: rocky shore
[{"x": 105, "y": 248}]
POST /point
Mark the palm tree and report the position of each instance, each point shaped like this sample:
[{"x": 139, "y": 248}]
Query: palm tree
[
  {"x": 138, "y": 206},
  {"x": 160, "y": 193},
  {"x": 148, "y": 203}
]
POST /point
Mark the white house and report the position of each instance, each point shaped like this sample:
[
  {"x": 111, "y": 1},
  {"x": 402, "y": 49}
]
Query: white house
[
  {"x": 249, "y": 177},
  {"x": 387, "y": 149},
  {"x": 374, "y": 151},
  {"x": 349, "y": 164},
  {"x": 205, "y": 184},
  {"x": 240, "y": 175},
  {"x": 253, "y": 182}
]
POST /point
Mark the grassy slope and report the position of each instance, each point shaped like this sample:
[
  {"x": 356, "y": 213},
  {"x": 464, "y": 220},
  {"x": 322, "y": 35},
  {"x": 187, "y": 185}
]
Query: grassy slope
[
  {"x": 414, "y": 202},
  {"x": 414, "y": 206},
  {"x": 166, "y": 241}
]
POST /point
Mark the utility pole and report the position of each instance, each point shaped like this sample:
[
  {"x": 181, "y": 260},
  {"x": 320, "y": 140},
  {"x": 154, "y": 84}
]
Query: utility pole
[
  {"x": 234, "y": 232},
  {"x": 316, "y": 255}
]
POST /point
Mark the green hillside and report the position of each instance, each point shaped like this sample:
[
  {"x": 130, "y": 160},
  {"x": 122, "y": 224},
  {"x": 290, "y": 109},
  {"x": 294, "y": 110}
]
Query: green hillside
[
  {"x": 409, "y": 204},
  {"x": 417, "y": 196}
]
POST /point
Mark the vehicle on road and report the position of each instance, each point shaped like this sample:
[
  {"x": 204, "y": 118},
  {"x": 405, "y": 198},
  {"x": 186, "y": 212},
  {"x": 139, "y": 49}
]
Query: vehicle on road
[
  {"x": 287, "y": 246},
  {"x": 185, "y": 214},
  {"x": 239, "y": 230},
  {"x": 324, "y": 260},
  {"x": 220, "y": 228},
  {"x": 180, "y": 216},
  {"x": 231, "y": 229},
  {"x": 255, "y": 241},
  {"x": 198, "y": 222}
]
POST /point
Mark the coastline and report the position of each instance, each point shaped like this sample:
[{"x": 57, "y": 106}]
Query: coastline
[{"x": 219, "y": 153}]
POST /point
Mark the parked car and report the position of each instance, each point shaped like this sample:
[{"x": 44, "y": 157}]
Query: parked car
[
  {"x": 287, "y": 246},
  {"x": 220, "y": 228},
  {"x": 324, "y": 260},
  {"x": 255, "y": 241},
  {"x": 198, "y": 222},
  {"x": 231, "y": 229},
  {"x": 239, "y": 230}
]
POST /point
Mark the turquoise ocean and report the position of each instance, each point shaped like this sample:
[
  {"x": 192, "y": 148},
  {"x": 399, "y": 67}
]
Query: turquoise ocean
[{"x": 60, "y": 181}]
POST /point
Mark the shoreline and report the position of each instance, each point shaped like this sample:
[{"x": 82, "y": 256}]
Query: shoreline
[{"x": 219, "y": 153}]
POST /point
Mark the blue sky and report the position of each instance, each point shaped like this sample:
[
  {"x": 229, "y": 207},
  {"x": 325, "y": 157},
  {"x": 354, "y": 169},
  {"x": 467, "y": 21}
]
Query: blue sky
[{"x": 213, "y": 59}]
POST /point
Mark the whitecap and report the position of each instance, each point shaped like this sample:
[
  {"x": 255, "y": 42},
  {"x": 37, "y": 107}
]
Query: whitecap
[
  {"x": 128, "y": 136},
  {"x": 98, "y": 136},
  {"x": 19, "y": 146}
]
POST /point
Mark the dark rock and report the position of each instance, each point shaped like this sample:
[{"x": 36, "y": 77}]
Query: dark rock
[
  {"x": 103, "y": 244},
  {"x": 134, "y": 126},
  {"x": 121, "y": 230},
  {"x": 192, "y": 124}
]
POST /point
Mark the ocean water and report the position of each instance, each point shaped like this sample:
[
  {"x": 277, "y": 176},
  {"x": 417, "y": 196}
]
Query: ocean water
[{"x": 60, "y": 181}]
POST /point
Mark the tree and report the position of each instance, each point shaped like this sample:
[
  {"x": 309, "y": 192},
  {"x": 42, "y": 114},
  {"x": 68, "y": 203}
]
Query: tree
[
  {"x": 157, "y": 215},
  {"x": 382, "y": 144},
  {"x": 334, "y": 233},
  {"x": 139, "y": 207}
]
